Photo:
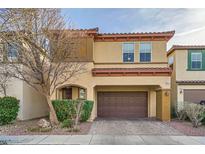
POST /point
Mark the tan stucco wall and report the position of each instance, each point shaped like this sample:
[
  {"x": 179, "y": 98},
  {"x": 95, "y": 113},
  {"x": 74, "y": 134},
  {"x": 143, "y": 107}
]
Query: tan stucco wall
[
  {"x": 105, "y": 52},
  {"x": 89, "y": 82},
  {"x": 15, "y": 89},
  {"x": 173, "y": 83},
  {"x": 127, "y": 65},
  {"x": 180, "y": 73},
  {"x": 182, "y": 65},
  {"x": 34, "y": 104},
  {"x": 74, "y": 93},
  {"x": 163, "y": 105}
]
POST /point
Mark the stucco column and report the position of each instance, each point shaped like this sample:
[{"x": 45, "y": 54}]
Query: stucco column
[
  {"x": 163, "y": 105},
  {"x": 91, "y": 96}
]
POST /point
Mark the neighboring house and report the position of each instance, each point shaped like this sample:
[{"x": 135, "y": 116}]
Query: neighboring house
[
  {"x": 127, "y": 75},
  {"x": 32, "y": 104},
  {"x": 188, "y": 77}
]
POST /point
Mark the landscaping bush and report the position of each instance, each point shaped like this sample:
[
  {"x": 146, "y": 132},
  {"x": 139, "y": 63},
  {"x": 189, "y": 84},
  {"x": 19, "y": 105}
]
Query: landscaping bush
[
  {"x": 195, "y": 113},
  {"x": 68, "y": 123},
  {"x": 9, "y": 107},
  {"x": 191, "y": 111},
  {"x": 66, "y": 109},
  {"x": 86, "y": 111}
]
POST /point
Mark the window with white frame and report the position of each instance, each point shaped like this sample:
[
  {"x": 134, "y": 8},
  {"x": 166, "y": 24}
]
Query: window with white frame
[
  {"x": 171, "y": 60},
  {"x": 196, "y": 60},
  {"x": 145, "y": 52},
  {"x": 128, "y": 52},
  {"x": 12, "y": 51}
]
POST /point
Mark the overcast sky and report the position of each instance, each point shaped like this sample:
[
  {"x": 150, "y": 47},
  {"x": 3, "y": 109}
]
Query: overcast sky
[{"x": 189, "y": 24}]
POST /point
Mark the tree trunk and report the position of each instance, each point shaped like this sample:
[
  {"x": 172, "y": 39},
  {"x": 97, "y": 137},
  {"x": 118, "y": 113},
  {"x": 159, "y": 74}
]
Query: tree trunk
[
  {"x": 53, "y": 117},
  {"x": 78, "y": 113},
  {"x": 4, "y": 89}
]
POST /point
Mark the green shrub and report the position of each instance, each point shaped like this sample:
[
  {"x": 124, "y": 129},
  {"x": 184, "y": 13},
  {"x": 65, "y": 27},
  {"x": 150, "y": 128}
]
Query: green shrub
[
  {"x": 64, "y": 109},
  {"x": 195, "y": 113},
  {"x": 68, "y": 123},
  {"x": 9, "y": 107},
  {"x": 87, "y": 109}
]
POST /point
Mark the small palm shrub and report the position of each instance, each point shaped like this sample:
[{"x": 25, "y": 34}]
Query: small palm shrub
[{"x": 9, "y": 107}]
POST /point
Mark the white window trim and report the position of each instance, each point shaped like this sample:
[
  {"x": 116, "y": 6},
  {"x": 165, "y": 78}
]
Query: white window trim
[
  {"x": 150, "y": 52},
  {"x": 196, "y": 60},
  {"x": 10, "y": 58},
  {"x": 127, "y": 52}
]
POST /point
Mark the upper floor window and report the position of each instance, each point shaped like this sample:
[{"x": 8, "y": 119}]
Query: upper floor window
[
  {"x": 171, "y": 60},
  {"x": 196, "y": 60},
  {"x": 145, "y": 52},
  {"x": 128, "y": 52},
  {"x": 12, "y": 52}
]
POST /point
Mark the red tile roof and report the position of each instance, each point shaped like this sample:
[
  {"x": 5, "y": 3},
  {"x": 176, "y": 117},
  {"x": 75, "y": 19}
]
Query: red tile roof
[
  {"x": 141, "y": 33},
  {"x": 191, "y": 82},
  {"x": 135, "y": 36},
  {"x": 127, "y": 36},
  {"x": 159, "y": 71},
  {"x": 184, "y": 47}
]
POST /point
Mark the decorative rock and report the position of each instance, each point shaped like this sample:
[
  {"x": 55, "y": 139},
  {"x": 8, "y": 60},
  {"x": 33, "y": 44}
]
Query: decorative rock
[{"x": 43, "y": 123}]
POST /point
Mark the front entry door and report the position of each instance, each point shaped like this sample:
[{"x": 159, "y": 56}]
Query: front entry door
[{"x": 67, "y": 93}]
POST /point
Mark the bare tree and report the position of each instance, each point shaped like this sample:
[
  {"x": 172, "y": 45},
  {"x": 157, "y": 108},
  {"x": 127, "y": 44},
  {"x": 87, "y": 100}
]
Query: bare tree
[
  {"x": 45, "y": 49},
  {"x": 4, "y": 81}
]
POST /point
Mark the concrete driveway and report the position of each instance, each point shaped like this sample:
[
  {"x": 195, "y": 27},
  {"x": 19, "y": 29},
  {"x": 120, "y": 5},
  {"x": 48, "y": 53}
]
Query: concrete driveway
[{"x": 131, "y": 127}]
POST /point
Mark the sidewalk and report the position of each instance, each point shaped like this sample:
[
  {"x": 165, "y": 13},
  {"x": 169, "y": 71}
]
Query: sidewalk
[{"x": 103, "y": 140}]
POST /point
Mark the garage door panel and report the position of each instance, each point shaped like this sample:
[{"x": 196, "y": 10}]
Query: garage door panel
[
  {"x": 122, "y": 104},
  {"x": 194, "y": 95}
]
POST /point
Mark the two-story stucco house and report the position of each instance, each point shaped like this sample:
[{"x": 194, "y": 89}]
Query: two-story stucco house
[
  {"x": 188, "y": 77},
  {"x": 127, "y": 76}
]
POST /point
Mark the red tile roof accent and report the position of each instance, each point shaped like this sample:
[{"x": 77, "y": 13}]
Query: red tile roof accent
[
  {"x": 135, "y": 36},
  {"x": 159, "y": 71},
  {"x": 127, "y": 36},
  {"x": 191, "y": 82},
  {"x": 141, "y": 33},
  {"x": 184, "y": 47}
]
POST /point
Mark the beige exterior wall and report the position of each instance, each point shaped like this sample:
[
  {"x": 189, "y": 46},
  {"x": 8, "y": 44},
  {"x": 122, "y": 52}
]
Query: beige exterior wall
[
  {"x": 180, "y": 73},
  {"x": 32, "y": 104},
  {"x": 74, "y": 93},
  {"x": 173, "y": 83},
  {"x": 148, "y": 83},
  {"x": 15, "y": 89},
  {"x": 111, "y": 52},
  {"x": 182, "y": 65}
]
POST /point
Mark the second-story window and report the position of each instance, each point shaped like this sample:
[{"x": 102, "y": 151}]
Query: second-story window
[
  {"x": 12, "y": 52},
  {"x": 145, "y": 52},
  {"x": 128, "y": 52},
  {"x": 196, "y": 60}
]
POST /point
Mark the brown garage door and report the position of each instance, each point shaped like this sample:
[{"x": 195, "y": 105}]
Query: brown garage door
[
  {"x": 194, "y": 95},
  {"x": 122, "y": 104}
]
